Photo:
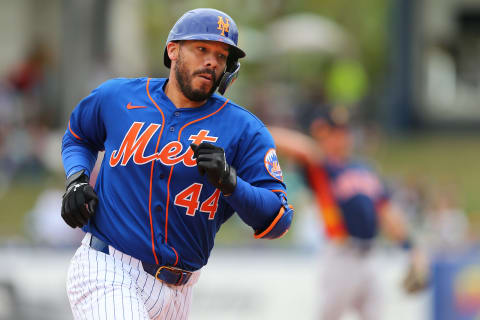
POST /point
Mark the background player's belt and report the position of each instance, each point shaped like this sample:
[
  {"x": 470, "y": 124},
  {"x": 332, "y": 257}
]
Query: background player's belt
[{"x": 170, "y": 275}]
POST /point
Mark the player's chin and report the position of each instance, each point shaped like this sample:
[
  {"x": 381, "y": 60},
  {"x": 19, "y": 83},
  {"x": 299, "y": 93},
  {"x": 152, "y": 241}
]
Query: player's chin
[
  {"x": 202, "y": 84},
  {"x": 199, "y": 94},
  {"x": 204, "y": 89}
]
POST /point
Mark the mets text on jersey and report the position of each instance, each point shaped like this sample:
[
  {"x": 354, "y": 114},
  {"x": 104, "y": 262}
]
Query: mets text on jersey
[{"x": 134, "y": 146}]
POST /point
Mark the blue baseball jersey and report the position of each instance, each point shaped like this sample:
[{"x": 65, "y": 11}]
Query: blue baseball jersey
[
  {"x": 357, "y": 192},
  {"x": 153, "y": 203}
]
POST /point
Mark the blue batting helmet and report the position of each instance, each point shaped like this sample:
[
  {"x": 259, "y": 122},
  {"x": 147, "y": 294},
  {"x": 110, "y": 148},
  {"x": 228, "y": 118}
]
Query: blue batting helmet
[{"x": 210, "y": 25}]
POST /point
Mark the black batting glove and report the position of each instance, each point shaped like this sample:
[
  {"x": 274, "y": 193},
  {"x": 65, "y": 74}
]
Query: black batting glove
[
  {"x": 79, "y": 201},
  {"x": 211, "y": 161}
]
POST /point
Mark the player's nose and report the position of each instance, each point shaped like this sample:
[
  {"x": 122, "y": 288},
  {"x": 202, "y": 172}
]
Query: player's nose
[{"x": 211, "y": 61}]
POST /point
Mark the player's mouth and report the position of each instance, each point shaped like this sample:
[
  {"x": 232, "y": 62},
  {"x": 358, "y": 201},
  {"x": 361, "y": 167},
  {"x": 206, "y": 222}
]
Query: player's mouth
[{"x": 206, "y": 76}]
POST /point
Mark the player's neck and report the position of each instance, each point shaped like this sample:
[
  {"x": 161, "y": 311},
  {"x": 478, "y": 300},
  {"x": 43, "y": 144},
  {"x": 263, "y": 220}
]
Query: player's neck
[{"x": 173, "y": 92}]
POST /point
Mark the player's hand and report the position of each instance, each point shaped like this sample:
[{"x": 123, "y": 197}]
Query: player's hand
[
  {"x": 79, "y": 201},
  {"x": 212, "y": 162},
  {"x": 417, "y": 276}
]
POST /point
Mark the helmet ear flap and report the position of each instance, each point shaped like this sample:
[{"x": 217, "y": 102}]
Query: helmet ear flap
[{"x": 229, "y": 76}]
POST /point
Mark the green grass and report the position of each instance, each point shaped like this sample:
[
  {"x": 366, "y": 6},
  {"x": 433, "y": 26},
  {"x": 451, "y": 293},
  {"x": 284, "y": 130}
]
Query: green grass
[
  {"x": 19, "y": 198},
  {"x": 16, "y": 202}
]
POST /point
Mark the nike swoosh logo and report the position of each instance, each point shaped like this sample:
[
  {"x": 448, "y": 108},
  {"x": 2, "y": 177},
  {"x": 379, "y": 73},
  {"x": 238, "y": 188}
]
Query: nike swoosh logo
[{"x": 129, "y": 106}]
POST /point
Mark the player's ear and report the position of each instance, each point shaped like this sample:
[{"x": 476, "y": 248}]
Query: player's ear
[{"x": 173, "y": 49}]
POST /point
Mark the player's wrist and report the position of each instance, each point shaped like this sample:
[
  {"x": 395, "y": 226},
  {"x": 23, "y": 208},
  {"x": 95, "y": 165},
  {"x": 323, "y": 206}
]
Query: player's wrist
[
  {"x": 228, "y": 181},
  {"x": 77, "y": 177}
]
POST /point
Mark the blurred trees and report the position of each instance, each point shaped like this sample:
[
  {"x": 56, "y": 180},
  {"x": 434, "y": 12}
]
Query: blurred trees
[{"x": 366, "y": 21}]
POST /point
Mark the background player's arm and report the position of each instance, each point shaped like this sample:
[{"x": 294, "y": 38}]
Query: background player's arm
[
  {"x": 393, "y": 222},
  {"x": 395, "y": 227},
  {"x": 297, "y": 145}
]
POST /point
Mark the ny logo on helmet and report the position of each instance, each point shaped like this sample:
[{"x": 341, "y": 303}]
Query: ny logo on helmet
[{"x": 222, "y": 25}]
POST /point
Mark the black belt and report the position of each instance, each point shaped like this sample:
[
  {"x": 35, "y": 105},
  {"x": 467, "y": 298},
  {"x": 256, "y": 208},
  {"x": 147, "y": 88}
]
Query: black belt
[{"x": 170, "y": 275}]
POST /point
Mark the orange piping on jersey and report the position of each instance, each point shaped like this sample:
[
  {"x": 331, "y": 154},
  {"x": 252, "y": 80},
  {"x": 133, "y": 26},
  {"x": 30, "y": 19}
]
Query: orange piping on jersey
[
  {"x": 176, "y": 255},
  {"x": 71, "y": 131},
  {"x": 168, "y": 201},
  {"x": 150, "y": 212},
  {"x": 284, "y": 232},
  {"x": 330, "y": 213},
  {"x": 151, "y": 173},
  {"x": 171, "y": 169},
  {"x": 280, "y": 191},
  {"x": 270, "y": 227},
  {"x": 291, "y": 207}
]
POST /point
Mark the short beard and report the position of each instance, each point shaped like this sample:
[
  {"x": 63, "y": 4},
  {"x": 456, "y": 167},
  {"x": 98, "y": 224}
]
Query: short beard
[{"x": 185, "y": 81}]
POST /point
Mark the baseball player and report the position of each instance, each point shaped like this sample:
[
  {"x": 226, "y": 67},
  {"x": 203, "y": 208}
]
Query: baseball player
[
  {"x": 179, "y": 161},
  {"x": 354, "y": 205}
]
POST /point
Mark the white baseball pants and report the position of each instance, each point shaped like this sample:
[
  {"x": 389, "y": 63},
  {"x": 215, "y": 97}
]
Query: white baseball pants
[{"x": 115, "y": 286}]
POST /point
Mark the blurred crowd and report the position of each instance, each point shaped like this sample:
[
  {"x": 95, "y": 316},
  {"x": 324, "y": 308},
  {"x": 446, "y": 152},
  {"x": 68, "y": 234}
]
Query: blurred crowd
[
  {"x": 30, "y": 134},
  {"x": 29, "y": 112}
]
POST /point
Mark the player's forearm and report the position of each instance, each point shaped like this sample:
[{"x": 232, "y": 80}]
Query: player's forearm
[
  {"x": 77, "y": 156},
  {"x": 256, "y": 206},
  {"x": 296, "y": 145},
  {"x": 393, "y": 223}
]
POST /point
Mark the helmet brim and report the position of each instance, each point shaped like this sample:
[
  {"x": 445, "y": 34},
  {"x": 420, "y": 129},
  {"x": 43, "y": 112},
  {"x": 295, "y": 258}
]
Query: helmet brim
[{"x": 235, "y": 51}]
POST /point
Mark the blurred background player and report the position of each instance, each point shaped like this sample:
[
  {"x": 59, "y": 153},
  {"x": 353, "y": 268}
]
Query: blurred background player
[{"x": 355, "y": 206}]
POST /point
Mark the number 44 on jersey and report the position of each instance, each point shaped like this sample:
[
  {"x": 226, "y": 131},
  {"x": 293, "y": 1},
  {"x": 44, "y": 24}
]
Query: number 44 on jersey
[{"x": 189, "y": 198}]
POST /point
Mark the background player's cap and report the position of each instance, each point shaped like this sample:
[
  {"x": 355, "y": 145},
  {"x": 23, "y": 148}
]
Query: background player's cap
[
  {"x": 206, "y": 24},
  {"x": 333, "y": 116},
  {"x": 337, "y": 116}
]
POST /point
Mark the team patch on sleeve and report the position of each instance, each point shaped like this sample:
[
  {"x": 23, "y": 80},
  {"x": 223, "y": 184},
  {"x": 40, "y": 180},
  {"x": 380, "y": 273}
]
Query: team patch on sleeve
[{"x": 272, "y": 164}]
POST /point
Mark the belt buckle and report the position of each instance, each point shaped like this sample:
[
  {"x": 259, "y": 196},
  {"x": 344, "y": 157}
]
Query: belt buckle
[{"x": 178, "y": 272}]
